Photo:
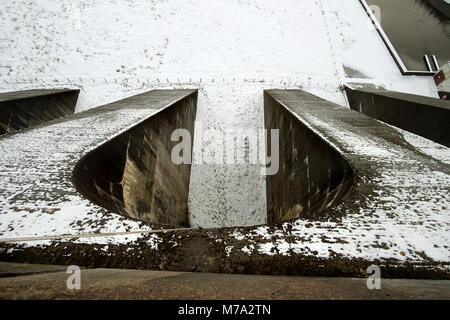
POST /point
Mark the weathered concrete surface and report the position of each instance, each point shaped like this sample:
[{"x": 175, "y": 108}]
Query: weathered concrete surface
[
  {"x": 424, "y": 116},
  {"x": 37, "y": 196},
  {"x": 312, "y": 175},
  {"x": 142, "y": 285},
  {"x": 23, "y": 109},
  {"x": 396, "y": 215},
  {"x": 441, "y": 6},
  {"x": 133, "y": 173},
  {"x": 8, "y": 269}
]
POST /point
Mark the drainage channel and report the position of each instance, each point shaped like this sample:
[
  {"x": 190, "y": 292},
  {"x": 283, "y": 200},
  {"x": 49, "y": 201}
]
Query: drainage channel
[{"x": 226, "y": 186}]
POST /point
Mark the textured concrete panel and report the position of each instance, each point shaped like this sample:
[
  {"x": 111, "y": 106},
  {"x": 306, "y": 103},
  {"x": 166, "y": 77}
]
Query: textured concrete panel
[
  {"x": 424, "y": 116},
  {"x": 312, "y": 175},
  {"x": 133, "y": 174},
  {"x": 23, "y": 109}
]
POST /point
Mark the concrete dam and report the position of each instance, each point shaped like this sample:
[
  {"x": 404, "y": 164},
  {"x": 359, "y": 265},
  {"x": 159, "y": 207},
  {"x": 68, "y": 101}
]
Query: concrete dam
[
  {"x": 224, "y": 150},
  {"x": 343, "y": 177},
  {"x": 132, "y": 174}
]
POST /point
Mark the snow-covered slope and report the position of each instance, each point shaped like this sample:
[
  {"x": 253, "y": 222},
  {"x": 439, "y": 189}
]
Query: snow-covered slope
[{"x": 230, "y": 49}]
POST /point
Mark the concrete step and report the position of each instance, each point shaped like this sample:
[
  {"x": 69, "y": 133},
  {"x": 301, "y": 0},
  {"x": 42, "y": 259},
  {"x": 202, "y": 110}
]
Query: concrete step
[{"x": 140, "y": 284}]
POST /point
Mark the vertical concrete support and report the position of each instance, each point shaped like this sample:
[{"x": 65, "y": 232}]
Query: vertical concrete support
[
  {"x": 133, "y": 174},
  {"x": 423, "y": 116},
  {"x": 312, "y": 174},
  {"x": 24, "y": 109}
]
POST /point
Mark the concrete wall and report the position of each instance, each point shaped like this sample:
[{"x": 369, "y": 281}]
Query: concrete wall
[
  {"x": 312, "y": 175},
  {"x": 423, "y": 116},
  {"x": 23, "y": 109},
  {"x": 133, "y": 174},
  {"x": 441, "y": 6}
]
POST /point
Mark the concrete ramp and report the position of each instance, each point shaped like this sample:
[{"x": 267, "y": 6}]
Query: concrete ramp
[
  {"x": 24, "y": 109},
  {"x": 37, "y": 196},
  {"x": 424, "y": 116},
  {"x": 313, "y": 175},
  {"x": 133, "y": 174}
]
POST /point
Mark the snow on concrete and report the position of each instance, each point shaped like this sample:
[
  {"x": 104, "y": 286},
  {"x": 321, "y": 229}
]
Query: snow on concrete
[
  {"x": 111, "y": 48},
  {"x": 428, "y": 147},
  {"x": 32, "y": 203},
  {"x": 152, "y": 241},
  {"x": 408, "y": 219},
  {"x": 231, "y": 50},
  {"x": 222, "y": 194}
]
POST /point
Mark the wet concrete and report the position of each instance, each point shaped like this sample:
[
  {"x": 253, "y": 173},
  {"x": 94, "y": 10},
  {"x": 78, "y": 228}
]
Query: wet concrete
[
  {"x": 415, "y": 29},
  {"x": 24, "y": 109},
  {"x": 424, "y": 116}
]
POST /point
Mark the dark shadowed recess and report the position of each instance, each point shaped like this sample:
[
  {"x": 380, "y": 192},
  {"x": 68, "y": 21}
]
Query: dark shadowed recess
[
  {"x": 424, "y": 116},
  {"x": 24, "y": 109},
  {"x": 312, "y": 175},
  {"x": 133, "y": 174}
]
